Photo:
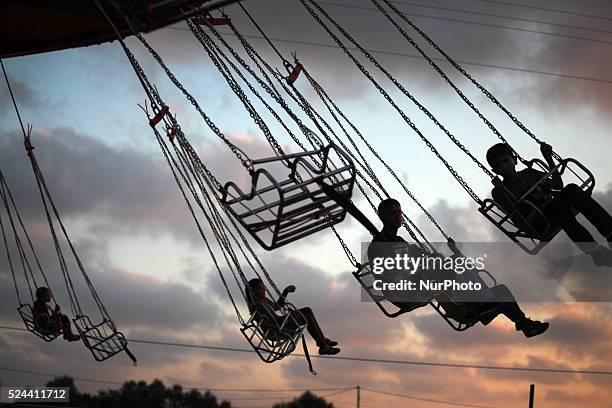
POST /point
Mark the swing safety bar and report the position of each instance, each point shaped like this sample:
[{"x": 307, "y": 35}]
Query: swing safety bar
[
  {"x": 516, "y": 226},
  {"x": 273, "y": 340},
  {"x": 276, "y": 213}
]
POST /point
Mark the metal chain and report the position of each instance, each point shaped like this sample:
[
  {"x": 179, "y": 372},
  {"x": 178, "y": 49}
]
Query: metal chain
[
  {"x": 328, "y": 101},
  {"x": 6, "y": 246},
  {"x": 170, "y": 160},
  {"x": 310, "y": 136},
  {"x": 28, "y": 239},
  {"x": 74, "y": 302},
  {"x": 408, "y": 224},
  {"x": 212, "y": 49},
  {"x": 451, "y": 84},
  {"x": 43, "y": 186},
  {"x": 196, "y": 167},
  {"x": 315, "y": 117},
  {"x": 244, "y": 159},
  {"x": 455, "y": 174},
  {"x": 25, "y": 264},
  {"x": 267, "y": 87},
  {"x": 488, "y": 94}
]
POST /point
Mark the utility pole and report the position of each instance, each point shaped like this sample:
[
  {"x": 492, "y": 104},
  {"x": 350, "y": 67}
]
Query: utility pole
[
  {"x": 531, "y": 395},
  {"x": 358, "y": 388}
]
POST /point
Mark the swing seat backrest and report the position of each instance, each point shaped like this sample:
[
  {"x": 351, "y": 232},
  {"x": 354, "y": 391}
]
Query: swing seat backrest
[
  {"x": 27, "y": 315},
  {"x": 277, "y": 212},
  {"x": 532, "y": 237},
  {"x": 102, "y": 339},
  {"x": 274, "y": 337}
]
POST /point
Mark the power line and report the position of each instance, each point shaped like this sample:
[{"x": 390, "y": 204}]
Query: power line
[
  {"x": 412, "y": 397},
  {"x": 480, "y": 13},
  {"x": 455, "y": 20},
  {"x": 415, "y": 56},
  {"x": 369, "y": 360},
  {"x": 571, "y": 13}
]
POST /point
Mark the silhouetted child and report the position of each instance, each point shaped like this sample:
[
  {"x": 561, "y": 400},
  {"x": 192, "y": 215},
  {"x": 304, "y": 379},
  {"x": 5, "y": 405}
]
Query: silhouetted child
[
  {"x": 387, "y": 244},
  {"x": 552, "y": 198},
  {"x": 257, "y": 301},
  {"x": 48, "y": 322}
]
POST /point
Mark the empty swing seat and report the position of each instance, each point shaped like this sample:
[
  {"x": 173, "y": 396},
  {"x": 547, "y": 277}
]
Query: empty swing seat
[
  {"x": 27, "y": 315},
  {"x": 271, "y": 339},
  {"x": 310, "y": 199},
  {"x": 103, "y": 339},
  {"x": 530, "y": 237}
]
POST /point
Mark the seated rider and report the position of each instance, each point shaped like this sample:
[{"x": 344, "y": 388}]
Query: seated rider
[
  {"x": 552, "y": 198},
  {"x": 390, "y": 213},
  {"x": 48, "y": 322},
  {"x": 257, "y": 301}
]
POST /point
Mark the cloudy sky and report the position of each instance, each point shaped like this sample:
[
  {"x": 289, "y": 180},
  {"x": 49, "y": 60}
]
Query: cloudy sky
[{"x": 148, "y": 262}]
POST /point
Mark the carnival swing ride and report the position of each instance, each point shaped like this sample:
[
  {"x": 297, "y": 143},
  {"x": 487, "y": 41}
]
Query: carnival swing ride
[{"x": 279, "y": 208}]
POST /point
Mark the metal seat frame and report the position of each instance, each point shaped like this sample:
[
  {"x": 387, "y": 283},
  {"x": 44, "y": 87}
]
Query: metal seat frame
[
  {"x": 27, "y": 315},
  {"x": 436, "y": 300},
  {"x": 364, "y": 276},
  {"x": 271, "y": 340},
  {"x": 301, "y": 205},
  {"x": 458, "y": 323},
  {"x": 534, "y": 241},
  {"x": 103, "y": 339}
]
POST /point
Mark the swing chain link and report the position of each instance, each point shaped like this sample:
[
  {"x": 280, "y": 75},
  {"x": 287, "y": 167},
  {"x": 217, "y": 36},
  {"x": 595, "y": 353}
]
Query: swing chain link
[
  {"x": 455, "y": 174},
  {"x": 170, "y": 160},
  {"x": 458, "y": 67},
  {"x": 448, "y": 81},
  {"x": 307, "y": 108},
  {"x": 240, "y": 155},
  {"x": 157, "y": 104},
  {"x": 346, "y": 249},
  {"x": 326, "y": 99},
  {"x": 310, "y": 136},
  {"x": 208, "y": 45}
]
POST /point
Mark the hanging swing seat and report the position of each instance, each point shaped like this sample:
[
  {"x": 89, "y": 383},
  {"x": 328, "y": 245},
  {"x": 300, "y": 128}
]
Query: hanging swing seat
[
  {"x": 450, "y": 306},
  {"x": 277, "y": 212},
  {"x": 366, "y": 279},
  {"x": 272, "y": 339},
  {"x": 455, "y": 314},
  {"x": 533, "y": 235},
  {"x": 103, "y": 339},
  {"x": 27, "y": 315},
  {"x": 457, "y": 311}
]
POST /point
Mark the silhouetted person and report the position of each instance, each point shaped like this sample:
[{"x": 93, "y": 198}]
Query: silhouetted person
[
  {"x": 552, "y": 198},
  {"x": 257, "y": 301},
  {"x": 48, "y": 322},
  {"x": 390, "y": 213}
]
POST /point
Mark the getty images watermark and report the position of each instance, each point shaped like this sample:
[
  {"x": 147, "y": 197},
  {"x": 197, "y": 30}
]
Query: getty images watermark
[
  {"x": 434, "y": 272},
  {"x": 398, "y": 271}
]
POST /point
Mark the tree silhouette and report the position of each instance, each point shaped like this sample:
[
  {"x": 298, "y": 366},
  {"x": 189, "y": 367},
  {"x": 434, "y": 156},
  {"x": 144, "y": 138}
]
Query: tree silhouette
[
  {"x": 306, "y": 400},
  {"x": 140, "y": 394}
]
